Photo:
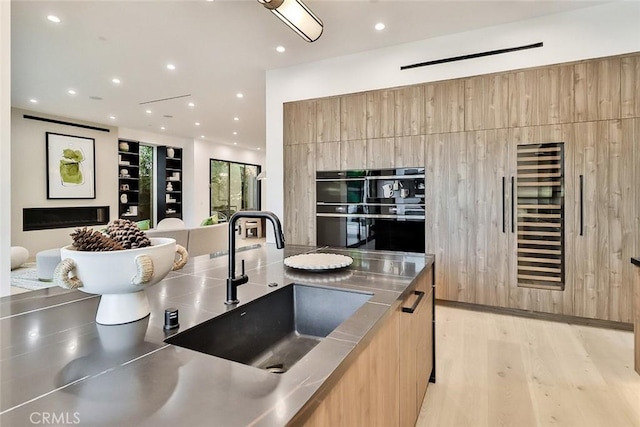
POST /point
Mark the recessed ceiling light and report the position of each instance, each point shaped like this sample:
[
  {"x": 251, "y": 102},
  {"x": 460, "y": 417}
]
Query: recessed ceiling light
[
  {"x": 33, "y": 101},
  {"x": 239, "y": 95},
  {"x": 148, "y": 111},
  {"x": 115, "y": 80},
  {"x": 71, "y": 92},
  {"x": 171, "y": 67},
  {"x": 209, "y": 1},
  {"x": 191, "y": 104},
  {"x": 259, "y": 148},
  {"x": 201, "y": 136},
  {"x": 197, "y": 123},
  {"x": 235, "y": 143},
  {"x": 53, "y": 18},
  {"x": 236, "y": 118},
  {"x": 235, "y": 133},
  {"x": 379, "y": 26},
  {"x": 280, "y": 49},
  {"x": 162, "y": 128},
  {"x": 112, "y": 117}
]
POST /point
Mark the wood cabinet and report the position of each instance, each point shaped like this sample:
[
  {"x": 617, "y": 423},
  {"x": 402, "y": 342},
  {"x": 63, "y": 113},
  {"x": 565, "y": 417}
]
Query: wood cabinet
[
  {"x": 353, "y": 117},
  {"x": 300, "y": 122},
  {"x": 169, "y": 182},
  {"x": 409, "y": 111},
  {"x": 630, "y": 86},
  {"x": 129, "y": 180},
  {"x": 327, "y": 119},
  {"x": 415, "y": 343},
  {"x": 486, "y": 102},
  {"x": 597, "y": 90},
  {"x": 385, "y": 384},
  {"x": 300, "y": 194},
  {"x": 444, "y": 106},
  {"x": 381, "y": 114}
]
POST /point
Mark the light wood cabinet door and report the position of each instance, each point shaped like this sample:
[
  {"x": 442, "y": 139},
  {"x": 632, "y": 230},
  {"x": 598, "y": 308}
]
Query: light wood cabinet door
[
  {"x": 408, "y": 390},
  {"x": 380, "y": 153},
  {"x": 381, "y": 113},
  {"x": 299, "y": 122},
  {"x": 466, "y": 215},
  {"x": 555, "y": 94},
  {"x": 607, "y": 236},
  {"x": 328, "y": 156},
  {"x": 444, "y": 106},
  {"x": 630, "y": 86},
  {"x": 523, "y": 98},
  {"x": 597, "y": 90},
  {"x": 353, "y": 117},
  {"x": 409, "y": 151},
  {"x": 409, "y": 111},
  {"x": 486, "y": 102},
  {"x": 424, "y": 342},
  {"x": 328, "y": 119},
  {"x": 353, "y": 154},
  {"x": 300, "y": 194}
]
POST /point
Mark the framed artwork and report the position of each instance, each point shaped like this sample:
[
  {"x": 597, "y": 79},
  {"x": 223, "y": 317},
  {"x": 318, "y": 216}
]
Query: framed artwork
[{"x": 70, "y": 167}]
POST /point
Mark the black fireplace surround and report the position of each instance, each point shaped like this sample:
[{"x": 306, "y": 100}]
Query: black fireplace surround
[{"x": 63, "y": 217}]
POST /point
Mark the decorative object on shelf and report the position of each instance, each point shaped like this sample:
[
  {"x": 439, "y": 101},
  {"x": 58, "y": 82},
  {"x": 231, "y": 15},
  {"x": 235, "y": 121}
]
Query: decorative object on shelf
[
  {"x": 170, "y": 152},
  {"x": 169, "y": 187},
  {"x": 123, "y": 146},
  {"x": 70, "y": 167},
  {"x": 124, "y": 187},
  {"x": 318, "y": 261},
  {"x": 297, "y": 16},
  {"x": 176, "y": 176},
  {"x": 124, "y": 198},
  {"x": 124, "y": 172}
]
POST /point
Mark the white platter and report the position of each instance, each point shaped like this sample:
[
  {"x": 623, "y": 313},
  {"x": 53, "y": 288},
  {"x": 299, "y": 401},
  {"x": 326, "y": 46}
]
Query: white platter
[{"x": 318, "y": 261}]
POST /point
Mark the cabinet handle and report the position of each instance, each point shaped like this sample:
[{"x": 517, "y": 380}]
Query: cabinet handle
[
  {"x": 504, "y": 214},
  {"x": 513, "y": 205},
  {"x": 415, "y": 304},
  {"x": 582, "y": 205}
]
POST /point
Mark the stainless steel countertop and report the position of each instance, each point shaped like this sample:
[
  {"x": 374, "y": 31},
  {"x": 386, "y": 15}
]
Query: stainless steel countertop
[{"x": 57, "y": 364}]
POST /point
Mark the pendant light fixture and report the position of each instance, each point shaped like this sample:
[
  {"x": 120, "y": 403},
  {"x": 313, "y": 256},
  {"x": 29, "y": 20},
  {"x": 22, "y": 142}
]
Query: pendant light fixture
[{"x": 297, "y": 16}]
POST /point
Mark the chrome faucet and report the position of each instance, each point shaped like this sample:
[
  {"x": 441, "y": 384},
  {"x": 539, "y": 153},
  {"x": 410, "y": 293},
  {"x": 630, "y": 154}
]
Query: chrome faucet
[{"x": 232, "y": 281}]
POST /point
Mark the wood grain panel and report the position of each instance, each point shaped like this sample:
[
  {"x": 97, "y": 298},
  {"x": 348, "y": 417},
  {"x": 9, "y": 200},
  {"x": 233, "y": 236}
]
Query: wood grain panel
[
  {"x": 474, "y": 103},
  {"x": 299, "y": 178},
  {"x": 328, "y": 156},
  {"x": 630, "y": 86},
  {"x": 328, "y": 119},
  {"x": 409, "y": 151},
  {"x": 597, "y": 90},
  {"x": 444, "y": 106},
  {"x": 436, "y": 220},
  {"x": 523, "y": 98},
  {"x": 353, "y": 117},
  {"x": 486, "y": 102},
  {"x": 380, "y": 153},
  {"x": 555, "y": 94},
  {"x": 299, "y": 122},
  {"x": 353, "y": 154},
  {"x": 381, "y": 114},
  {"x": 409, "y": 111}
]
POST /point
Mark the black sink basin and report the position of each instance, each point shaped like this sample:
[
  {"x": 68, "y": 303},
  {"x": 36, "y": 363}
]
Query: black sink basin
[{"x": 274, "y": 331}]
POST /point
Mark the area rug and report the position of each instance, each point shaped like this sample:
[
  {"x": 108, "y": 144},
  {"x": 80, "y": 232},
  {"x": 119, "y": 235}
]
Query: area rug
[{"x": 26, "y": 277}]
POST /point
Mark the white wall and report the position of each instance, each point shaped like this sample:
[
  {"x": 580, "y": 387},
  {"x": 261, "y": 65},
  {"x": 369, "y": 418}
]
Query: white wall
[
  {"x": 599, "y": 31},
  {"x": 204, "y": 151},
  {"x": 29, "y": 180},
  {"x": 5, "y": 147}
]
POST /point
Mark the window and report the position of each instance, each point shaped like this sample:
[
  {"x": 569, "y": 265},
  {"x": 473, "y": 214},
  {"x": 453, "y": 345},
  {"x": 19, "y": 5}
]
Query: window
[
  {"x": 145, "y": 198},
  {"x": 234, "y": 187}
]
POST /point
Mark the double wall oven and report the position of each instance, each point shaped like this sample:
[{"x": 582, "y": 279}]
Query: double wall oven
[{"x": 374, "y": 209}]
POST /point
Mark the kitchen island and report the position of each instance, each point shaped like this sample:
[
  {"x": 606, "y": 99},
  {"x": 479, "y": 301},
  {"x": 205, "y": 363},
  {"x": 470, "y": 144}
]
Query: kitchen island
[{"x": 59, "y": 365}]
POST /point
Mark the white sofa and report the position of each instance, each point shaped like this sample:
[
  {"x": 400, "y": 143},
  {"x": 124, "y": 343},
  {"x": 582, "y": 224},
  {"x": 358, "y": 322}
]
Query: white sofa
[{"x": 201, "y": 240}]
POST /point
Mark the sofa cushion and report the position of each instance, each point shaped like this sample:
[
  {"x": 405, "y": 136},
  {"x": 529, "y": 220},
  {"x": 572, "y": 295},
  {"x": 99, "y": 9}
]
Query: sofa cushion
[
  {"x": 181, "y": 236},
  {"x": 208, "y": 239}
]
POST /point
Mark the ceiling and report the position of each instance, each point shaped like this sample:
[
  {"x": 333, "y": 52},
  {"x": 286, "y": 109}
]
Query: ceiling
[{"x": 219, "y": 48}]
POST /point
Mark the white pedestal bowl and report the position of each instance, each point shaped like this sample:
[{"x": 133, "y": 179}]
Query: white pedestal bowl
[{"x": 119, "y": 276}]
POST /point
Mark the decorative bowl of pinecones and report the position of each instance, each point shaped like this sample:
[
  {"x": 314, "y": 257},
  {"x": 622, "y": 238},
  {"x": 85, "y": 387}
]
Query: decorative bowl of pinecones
[{"x": 118, "y": 263}]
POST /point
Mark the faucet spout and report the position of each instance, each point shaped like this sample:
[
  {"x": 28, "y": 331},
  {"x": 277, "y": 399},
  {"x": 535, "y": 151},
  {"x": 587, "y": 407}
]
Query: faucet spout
[{"x": 232, "y": 281}]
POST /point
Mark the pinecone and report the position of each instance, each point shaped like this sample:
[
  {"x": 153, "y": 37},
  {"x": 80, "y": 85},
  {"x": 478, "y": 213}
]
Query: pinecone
[
  {"x": 127, "y": 234},
  {"x": 86, "y": 239}
]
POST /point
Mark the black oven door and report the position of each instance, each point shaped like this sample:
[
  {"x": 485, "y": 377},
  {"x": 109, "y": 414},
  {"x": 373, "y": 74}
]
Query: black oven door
[
  {"x": 396, "y": 234},
  {"x": 341, "y": 231},
  {"x": 340, "y": 187}
]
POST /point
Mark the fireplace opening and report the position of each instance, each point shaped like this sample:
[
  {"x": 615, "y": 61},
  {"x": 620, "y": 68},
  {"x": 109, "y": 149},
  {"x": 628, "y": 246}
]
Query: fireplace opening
[{"x": 64, "y": 217}]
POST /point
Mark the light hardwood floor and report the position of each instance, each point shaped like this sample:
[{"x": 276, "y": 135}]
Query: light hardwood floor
[{"x": 500, "y": 370}]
